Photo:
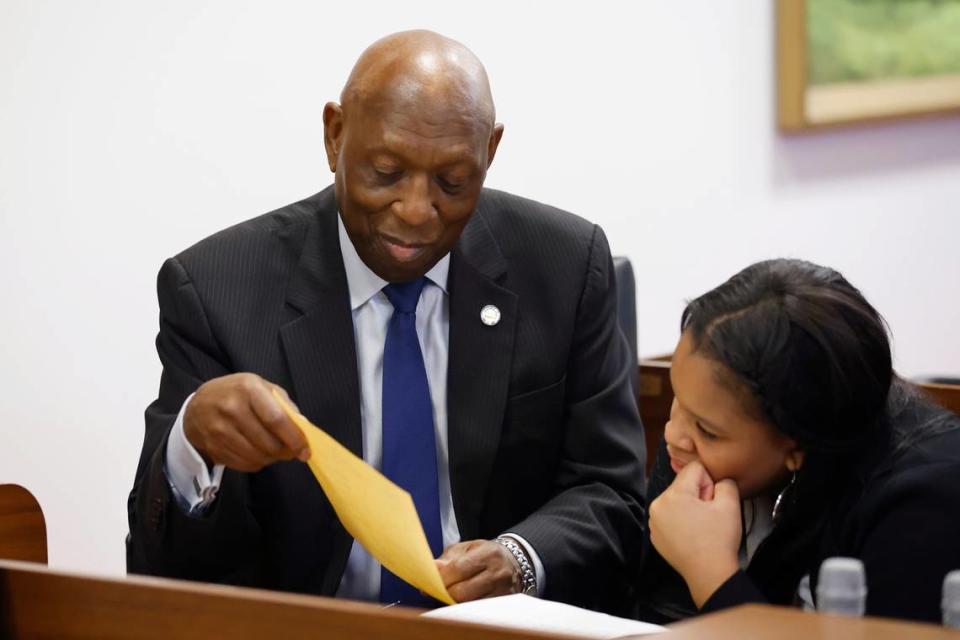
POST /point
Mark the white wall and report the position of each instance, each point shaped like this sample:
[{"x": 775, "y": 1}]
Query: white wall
[{"x": 129, "y": 130}]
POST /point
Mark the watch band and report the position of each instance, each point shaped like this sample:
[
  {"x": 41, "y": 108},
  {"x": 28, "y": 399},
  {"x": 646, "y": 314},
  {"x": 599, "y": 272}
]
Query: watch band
[{"x": 528, "y": 574}]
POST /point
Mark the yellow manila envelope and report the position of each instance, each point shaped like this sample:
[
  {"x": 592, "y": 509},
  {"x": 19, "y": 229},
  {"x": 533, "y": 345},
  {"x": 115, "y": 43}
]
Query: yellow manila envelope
[{"x": 374, "y": 510}]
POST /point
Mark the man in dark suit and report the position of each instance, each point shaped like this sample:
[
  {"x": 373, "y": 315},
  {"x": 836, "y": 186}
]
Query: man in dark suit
[{"x": 462, "y": 340}]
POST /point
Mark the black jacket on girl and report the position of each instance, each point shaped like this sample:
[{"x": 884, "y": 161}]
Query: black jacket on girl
[{"x": 894, "y": 504}]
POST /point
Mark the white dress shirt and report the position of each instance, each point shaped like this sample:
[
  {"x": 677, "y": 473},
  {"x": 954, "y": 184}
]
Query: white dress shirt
[
  {"x": 195, "y": 486},
  {"x": 758, "y": 524}
]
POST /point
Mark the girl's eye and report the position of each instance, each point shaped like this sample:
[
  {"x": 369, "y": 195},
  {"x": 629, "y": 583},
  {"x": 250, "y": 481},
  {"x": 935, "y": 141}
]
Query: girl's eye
[{"x": 706, "y": 434}]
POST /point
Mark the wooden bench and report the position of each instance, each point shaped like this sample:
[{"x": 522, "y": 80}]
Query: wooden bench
[
  {"x": 946, "y": 395},
  {"x": 23, "y": 531},
  {"x": 654, "y": 397}
]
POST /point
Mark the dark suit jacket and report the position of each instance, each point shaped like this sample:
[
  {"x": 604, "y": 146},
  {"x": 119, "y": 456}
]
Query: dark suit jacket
[
  {"x": 897, "y": 512},
  {"x": 544, "y": 435}
]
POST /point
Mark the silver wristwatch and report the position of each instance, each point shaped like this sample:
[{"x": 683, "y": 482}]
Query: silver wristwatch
[{"x": 528, "y": 575}]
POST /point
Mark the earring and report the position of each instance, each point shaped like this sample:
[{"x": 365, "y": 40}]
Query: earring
[{"x": 778, "y": 504}]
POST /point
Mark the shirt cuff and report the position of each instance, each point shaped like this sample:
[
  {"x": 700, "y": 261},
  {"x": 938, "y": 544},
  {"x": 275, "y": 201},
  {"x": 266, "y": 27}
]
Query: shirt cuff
[
  {"x": 534, "y": 558},
  {"x": 192, "y": 482}
]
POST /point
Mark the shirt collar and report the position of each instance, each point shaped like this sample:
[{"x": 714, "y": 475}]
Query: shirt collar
[{"x": 364, "y": 283}]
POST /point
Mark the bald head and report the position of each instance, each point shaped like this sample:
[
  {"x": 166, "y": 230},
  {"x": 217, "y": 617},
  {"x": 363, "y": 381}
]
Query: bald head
[
  {"x": 410, "y": 145},
  {"x": 420, "y": 70}
]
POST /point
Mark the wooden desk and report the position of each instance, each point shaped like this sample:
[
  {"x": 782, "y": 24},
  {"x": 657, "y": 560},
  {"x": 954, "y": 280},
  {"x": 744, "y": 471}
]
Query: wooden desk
[
  {"x": 36, "y": 602},
  {"x": 762, "y": 621}
]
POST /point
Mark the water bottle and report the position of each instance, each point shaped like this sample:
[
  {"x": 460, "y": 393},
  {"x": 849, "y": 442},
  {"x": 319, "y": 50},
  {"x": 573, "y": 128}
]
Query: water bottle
[
  {"x": 842, "y": 587},
  {"x": 951, "y": 600}
]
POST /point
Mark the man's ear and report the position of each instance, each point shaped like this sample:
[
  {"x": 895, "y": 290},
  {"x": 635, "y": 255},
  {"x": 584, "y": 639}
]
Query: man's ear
[
  {"x": 494, "y": 142},
  {"x": 332, "y": 133}
]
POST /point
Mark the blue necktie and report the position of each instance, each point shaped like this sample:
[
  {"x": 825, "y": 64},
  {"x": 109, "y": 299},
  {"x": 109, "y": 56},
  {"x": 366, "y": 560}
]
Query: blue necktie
[{"x": 409, "y": 444}]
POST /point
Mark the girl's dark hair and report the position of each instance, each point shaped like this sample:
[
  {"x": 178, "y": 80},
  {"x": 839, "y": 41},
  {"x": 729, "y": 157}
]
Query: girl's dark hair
[
  {"x": 814, "y": 356},
  {"x": 811, "y": 350}
]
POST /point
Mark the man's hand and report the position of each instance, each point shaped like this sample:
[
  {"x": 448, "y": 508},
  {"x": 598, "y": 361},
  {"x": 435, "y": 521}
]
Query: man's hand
[
  {"x": 235, "y": 421},
  {"x": 695, "y": 526},
  {"x": 479, "y": 569}
]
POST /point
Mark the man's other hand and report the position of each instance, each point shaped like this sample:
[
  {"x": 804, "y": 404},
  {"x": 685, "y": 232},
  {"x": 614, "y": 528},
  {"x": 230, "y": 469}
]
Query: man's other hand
[
  {"x": 479, "y": 569},
  {"x": 235, "y": 421}
]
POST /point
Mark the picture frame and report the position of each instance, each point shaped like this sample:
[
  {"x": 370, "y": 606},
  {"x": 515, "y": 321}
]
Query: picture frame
[{"x": 806, "y": 102}]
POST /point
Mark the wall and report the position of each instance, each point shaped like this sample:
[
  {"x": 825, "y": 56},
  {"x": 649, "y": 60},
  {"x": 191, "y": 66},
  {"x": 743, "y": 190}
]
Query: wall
[{"x": 129, "y": 130}]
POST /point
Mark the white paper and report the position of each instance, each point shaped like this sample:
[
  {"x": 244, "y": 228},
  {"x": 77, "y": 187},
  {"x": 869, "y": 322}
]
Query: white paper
[{"x": 533, "y": 614}]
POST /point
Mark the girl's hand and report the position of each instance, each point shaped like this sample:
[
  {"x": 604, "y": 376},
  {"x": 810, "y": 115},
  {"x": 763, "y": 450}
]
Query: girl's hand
[{"x": 695, "y": 526}]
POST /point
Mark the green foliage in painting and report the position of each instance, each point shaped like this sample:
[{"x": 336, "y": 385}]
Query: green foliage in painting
[{"x": 851, "y": 40}]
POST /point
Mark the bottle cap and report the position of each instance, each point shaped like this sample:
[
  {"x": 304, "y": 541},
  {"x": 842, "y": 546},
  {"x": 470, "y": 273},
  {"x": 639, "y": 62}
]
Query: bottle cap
[
  {"x": 842, "y": 586},
  {"x": 951, "y": 590}
]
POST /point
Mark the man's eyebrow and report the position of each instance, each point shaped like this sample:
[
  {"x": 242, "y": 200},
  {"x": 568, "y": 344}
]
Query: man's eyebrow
[
  {"x": 445, "y": 160},
  {"x": 385, "y": 157}
]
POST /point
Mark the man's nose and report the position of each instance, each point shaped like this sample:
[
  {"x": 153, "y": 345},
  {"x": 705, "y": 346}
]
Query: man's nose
[{"x": 415, "y": 204}]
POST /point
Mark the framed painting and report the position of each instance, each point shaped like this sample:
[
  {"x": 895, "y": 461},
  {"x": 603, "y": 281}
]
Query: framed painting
[{"x": 847, "y": 61}]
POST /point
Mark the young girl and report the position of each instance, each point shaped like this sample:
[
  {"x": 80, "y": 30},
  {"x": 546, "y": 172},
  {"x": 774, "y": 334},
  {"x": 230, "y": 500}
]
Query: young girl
[{"x": 790, "y": 441}]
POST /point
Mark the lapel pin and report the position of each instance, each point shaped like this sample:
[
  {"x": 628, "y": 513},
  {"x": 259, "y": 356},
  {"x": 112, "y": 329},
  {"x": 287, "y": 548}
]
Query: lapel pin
[{"x": 490, "y": 315}]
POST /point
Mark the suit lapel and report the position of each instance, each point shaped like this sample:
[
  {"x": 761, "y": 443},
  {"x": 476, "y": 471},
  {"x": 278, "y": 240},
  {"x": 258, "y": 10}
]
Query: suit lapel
[
  {"x": 319, "y": 347},
  {"x": 319, "y": 344},
  {"x": 479, "y": 365}
]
